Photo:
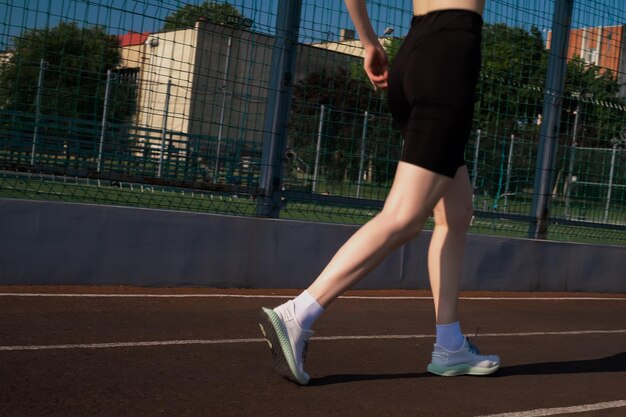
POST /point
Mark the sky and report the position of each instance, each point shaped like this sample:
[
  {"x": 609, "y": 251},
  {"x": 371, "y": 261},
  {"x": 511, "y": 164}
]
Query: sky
[{"x": 321, "y": 19}]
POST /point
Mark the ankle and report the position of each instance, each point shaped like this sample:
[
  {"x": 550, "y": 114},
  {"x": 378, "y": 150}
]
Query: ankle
[
  {"x": 307, "y": 310},
  {"x": 449, "y": 336}
]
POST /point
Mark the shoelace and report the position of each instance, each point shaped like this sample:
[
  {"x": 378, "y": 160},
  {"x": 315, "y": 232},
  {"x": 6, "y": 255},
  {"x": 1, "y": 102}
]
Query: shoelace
[{"x": 473, "y": 348}]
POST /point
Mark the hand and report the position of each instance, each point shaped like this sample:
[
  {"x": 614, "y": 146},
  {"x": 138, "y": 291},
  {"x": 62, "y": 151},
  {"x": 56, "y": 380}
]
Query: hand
[{"x": 376, "y": 67}]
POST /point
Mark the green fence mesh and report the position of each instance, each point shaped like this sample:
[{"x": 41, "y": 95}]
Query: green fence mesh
[{"x": 164, "y": 104}]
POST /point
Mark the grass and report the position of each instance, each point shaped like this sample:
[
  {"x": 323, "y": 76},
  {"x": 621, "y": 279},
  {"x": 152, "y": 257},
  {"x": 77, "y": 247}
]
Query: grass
[
  {"x": 133, "y": 195},
  {"x": 126, "y": 195}
]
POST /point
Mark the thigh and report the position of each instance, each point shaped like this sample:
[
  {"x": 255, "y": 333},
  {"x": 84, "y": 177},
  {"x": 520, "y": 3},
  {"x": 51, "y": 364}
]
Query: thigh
[{"x": 414, "y": 193}]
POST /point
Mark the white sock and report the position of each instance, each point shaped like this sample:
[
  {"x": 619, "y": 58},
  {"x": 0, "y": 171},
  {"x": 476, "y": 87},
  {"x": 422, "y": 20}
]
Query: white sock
[
  {"x": 307, "y": 310},
  {"x": 449, "y": 336}
]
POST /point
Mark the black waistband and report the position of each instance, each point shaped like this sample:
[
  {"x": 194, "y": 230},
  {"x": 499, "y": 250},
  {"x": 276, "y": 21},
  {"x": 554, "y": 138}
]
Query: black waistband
[{"x": 450, "y": 17}]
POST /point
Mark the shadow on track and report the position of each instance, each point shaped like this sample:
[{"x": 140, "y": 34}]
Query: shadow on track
[
  {"x": 615, "y": 363},
  {"x": 344, "y": 378}
]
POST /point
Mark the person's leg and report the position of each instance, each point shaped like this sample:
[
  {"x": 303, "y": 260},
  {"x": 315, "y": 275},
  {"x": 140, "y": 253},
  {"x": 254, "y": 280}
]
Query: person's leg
[
  {"x": 414, "y": 193},
  {"x": 453, "y": 354},
  {"x": 452, "y": 213}
]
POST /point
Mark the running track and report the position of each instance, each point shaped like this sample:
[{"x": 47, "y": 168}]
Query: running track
[{"x": 121, "y": 351}]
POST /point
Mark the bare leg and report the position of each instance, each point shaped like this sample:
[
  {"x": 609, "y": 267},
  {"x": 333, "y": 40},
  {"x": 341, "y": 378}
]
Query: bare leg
[
  {"x": 453, "y": 213},
  {"x": 413, "y": 195}
]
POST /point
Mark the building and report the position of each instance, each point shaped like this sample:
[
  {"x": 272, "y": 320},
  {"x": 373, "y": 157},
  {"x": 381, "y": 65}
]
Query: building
[
  {"x": 205, "y": 88},
  {"x": 347, "y": 44},
  {"x": 603, "y": 46}
]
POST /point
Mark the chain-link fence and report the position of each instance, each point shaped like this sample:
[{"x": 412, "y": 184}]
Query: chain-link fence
[{"x": 262, "y": 108}]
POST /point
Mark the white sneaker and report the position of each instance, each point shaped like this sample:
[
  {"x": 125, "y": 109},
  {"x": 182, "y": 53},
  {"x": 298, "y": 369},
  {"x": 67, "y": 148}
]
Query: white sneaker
[
  {"x": 287, "y": 340},
  {"x": 465, "y": 361}
]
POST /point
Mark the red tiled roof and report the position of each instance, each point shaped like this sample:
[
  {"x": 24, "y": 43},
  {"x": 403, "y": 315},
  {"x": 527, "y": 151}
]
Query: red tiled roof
[{"x": 133, "y": 38}]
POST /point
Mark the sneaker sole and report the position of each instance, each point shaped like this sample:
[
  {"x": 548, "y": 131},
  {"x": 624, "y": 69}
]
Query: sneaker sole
[
  {"x": 282, "y": 354},
  {"x": 460, "y": 370}
]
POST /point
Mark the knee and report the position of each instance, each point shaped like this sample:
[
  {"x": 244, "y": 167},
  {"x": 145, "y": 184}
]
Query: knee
[
  {"x": 454, "y": 218},
  {"x": 402, "y": 227}
]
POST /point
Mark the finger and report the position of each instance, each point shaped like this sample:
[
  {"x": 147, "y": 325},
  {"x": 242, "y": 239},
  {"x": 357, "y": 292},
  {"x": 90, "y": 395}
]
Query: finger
[
  {"x": 379, "y": 81},
  {"x": 380, "y": 86},
  {"x": 377, "y": 78}
]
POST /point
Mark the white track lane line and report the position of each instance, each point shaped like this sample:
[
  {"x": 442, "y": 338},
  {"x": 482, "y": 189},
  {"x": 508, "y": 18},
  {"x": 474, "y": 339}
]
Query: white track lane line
[
  {"x": 259, "y": 340},
  {"x": 540, "y": 412},
  {"x": 348, "y": 297}
]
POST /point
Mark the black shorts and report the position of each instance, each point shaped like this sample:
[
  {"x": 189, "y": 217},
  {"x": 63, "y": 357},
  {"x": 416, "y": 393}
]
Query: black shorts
[{"x": 432, "y": 86}]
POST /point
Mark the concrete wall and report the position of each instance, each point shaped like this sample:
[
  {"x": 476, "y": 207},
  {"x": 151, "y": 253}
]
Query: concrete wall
[{"x": 65, "y": 243}]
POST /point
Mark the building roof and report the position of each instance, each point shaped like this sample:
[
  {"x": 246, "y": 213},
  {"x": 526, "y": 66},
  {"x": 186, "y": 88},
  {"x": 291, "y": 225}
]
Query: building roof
[
  {"x": 352, "y": 47},
  {"x": 133, "y": 38}
]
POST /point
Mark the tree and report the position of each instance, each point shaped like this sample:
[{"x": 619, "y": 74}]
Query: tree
[
  {"x": 513, "y": 79},
  {"x": 592, "y": 93},
  {"x": 223, "y": 14},
  {"x": 509, "y": 101},
  {"x": 345, "y": 98},
  {"x": 346, "y": 95},
  {"x": 76, "y": 61},
  {"x": 391, "y": 45},
  {"x": 511, "y": 94},
  {"x": 512, "y": 76}
]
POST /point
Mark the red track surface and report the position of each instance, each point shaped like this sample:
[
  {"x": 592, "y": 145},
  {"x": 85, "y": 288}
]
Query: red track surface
[{"x": 221, "y": 368}]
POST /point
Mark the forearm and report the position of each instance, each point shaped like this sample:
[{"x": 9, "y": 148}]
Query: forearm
[{"x": 358, "y": 13}]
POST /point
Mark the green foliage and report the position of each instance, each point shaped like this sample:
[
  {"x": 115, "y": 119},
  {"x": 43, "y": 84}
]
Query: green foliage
[
  {"x": 223, "y": 14},
  {"x": 346, "y": 95},
  {"x": 593, "y": 93},
  {"x": 76, "y": 61},
  {"x": 391, "y": 46},
  {"x": 509, "y": 100},
  {"x": 345, "y": 98},
  {"x": 511, "y": 94},
  {"x": 512, "y": 77}
]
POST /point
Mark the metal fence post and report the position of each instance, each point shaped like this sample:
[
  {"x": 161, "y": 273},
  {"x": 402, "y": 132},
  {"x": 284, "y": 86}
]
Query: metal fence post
[
  {"x": 164, "y": 129},
  {"x": 362, "y": 159},
  {"x": 224, "y": 95},
  {"x": 281, "y": 73},
  {"x": 608, "y": 193},
  {"x": 546, "y": 155},
  {"x": 42, "y": 68},
  {"x": 475, "y": 168},
  {"x": 105, "y": 110},
  {"x": 318, "y": 149},
  {"x": 572, "y": 155},
  {"x": 509, "y": 168}
]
